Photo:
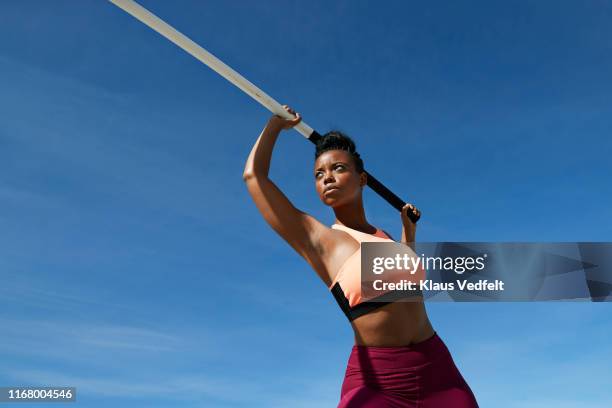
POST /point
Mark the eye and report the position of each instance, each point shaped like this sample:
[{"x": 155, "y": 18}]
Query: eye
[
  {"x": 317, "y": 174},
  {"x": 339, "y": 166}
]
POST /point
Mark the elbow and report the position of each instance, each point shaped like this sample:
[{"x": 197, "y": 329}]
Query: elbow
[
  {"x": 248, "y": 175},
  {"x": 248, "y": 172}
]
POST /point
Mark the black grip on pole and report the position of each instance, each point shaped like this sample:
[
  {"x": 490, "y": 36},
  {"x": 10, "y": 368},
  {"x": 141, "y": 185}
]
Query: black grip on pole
[{"x": 378, "y": 187}]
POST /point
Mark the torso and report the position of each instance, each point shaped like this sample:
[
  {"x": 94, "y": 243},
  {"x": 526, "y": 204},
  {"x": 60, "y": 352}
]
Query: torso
[
  {"x": 396, "y": 324},
  {"x": 392, "y": 325}
]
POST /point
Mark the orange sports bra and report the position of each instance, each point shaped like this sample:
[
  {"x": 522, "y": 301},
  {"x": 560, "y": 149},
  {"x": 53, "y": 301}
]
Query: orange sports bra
[{"x": 346, "y": 286}]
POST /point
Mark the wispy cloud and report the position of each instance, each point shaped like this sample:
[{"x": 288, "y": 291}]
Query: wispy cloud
[
  {"x": 171, "y": 386},
  {"x": 530, "y": 363},
  {"x": 558, "y": 403},
  {"x": 19, "y": 290},
  {"x": 63, "y": 339},
  {"x": 253, "y": 390}
]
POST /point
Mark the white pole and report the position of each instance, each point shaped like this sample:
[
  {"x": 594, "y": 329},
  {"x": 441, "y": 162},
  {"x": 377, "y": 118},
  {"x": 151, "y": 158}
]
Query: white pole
[{"x": 157, "y": 24}]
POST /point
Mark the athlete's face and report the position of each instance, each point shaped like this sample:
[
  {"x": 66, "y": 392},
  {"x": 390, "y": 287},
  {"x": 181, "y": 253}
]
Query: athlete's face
[{"x": 336, "y": 178}]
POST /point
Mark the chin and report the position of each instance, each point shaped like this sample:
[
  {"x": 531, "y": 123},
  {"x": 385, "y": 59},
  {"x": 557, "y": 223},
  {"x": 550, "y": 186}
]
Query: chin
[
  {"x": 330, "y": 202},
  {"x": 333, "y": 203}
]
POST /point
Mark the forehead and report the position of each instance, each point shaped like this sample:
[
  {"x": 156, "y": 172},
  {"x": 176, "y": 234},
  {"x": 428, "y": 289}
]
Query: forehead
[{"x": 332, "y": 156}]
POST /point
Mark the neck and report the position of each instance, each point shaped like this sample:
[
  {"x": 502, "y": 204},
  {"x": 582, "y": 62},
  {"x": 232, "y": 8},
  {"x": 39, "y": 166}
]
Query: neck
[{"x": 352, "y": 215}]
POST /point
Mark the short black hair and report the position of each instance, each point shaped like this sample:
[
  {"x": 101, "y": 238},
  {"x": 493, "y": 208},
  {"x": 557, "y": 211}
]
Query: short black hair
[{"x": 336, "y": 140}]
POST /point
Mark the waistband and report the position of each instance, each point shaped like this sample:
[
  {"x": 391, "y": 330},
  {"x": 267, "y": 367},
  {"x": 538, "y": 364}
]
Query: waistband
[{"x": 375, "y": 357}]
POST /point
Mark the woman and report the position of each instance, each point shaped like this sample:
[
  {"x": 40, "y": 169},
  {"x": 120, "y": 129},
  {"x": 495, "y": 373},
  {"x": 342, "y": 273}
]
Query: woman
[{"x": 397, "y": 360}]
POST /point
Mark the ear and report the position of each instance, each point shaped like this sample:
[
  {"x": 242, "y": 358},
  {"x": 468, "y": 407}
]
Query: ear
[{"x": 363, "y": 179}]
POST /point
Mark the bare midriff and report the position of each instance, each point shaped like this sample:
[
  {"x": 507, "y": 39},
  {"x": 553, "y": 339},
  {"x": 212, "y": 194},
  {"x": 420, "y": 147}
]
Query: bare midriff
[{"x": 395, "y": 324}]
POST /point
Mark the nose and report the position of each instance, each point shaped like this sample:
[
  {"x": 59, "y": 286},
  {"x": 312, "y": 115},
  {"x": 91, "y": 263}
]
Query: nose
[{"x": 329, "y": 178}]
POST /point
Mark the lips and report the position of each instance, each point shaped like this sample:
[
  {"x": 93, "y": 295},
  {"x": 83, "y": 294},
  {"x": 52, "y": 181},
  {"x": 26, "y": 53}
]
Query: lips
[{"x": 328, "y": 189}]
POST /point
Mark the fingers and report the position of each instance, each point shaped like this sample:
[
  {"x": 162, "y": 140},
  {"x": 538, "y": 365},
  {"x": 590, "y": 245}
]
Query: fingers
[
  {"x": 289, "y": 109},
  {"x": 412, "y": 209},
  {"x": 297, "y": 118}
]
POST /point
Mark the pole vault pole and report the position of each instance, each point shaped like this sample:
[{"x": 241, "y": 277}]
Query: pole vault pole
[{"x": 163, "y": 28}]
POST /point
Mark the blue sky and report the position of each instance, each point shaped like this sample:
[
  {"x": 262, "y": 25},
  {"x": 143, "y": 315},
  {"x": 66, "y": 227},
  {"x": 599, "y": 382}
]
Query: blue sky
[{"x": 135, "y": 267}]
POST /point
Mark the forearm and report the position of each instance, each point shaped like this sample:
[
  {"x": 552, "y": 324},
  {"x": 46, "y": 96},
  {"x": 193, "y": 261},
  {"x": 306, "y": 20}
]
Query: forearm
[
  {"x": 408, "y": 237},
  {"x": 258, "y": 162}
]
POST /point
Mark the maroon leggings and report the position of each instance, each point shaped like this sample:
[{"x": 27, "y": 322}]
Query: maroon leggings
[{"x": 421, "y": 375}]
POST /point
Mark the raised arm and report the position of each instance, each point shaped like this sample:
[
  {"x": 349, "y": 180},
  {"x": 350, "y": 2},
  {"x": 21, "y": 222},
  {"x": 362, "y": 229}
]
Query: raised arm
[
  {"x": 300, "y": 230},
  {"x": 409, "y": 227}
]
